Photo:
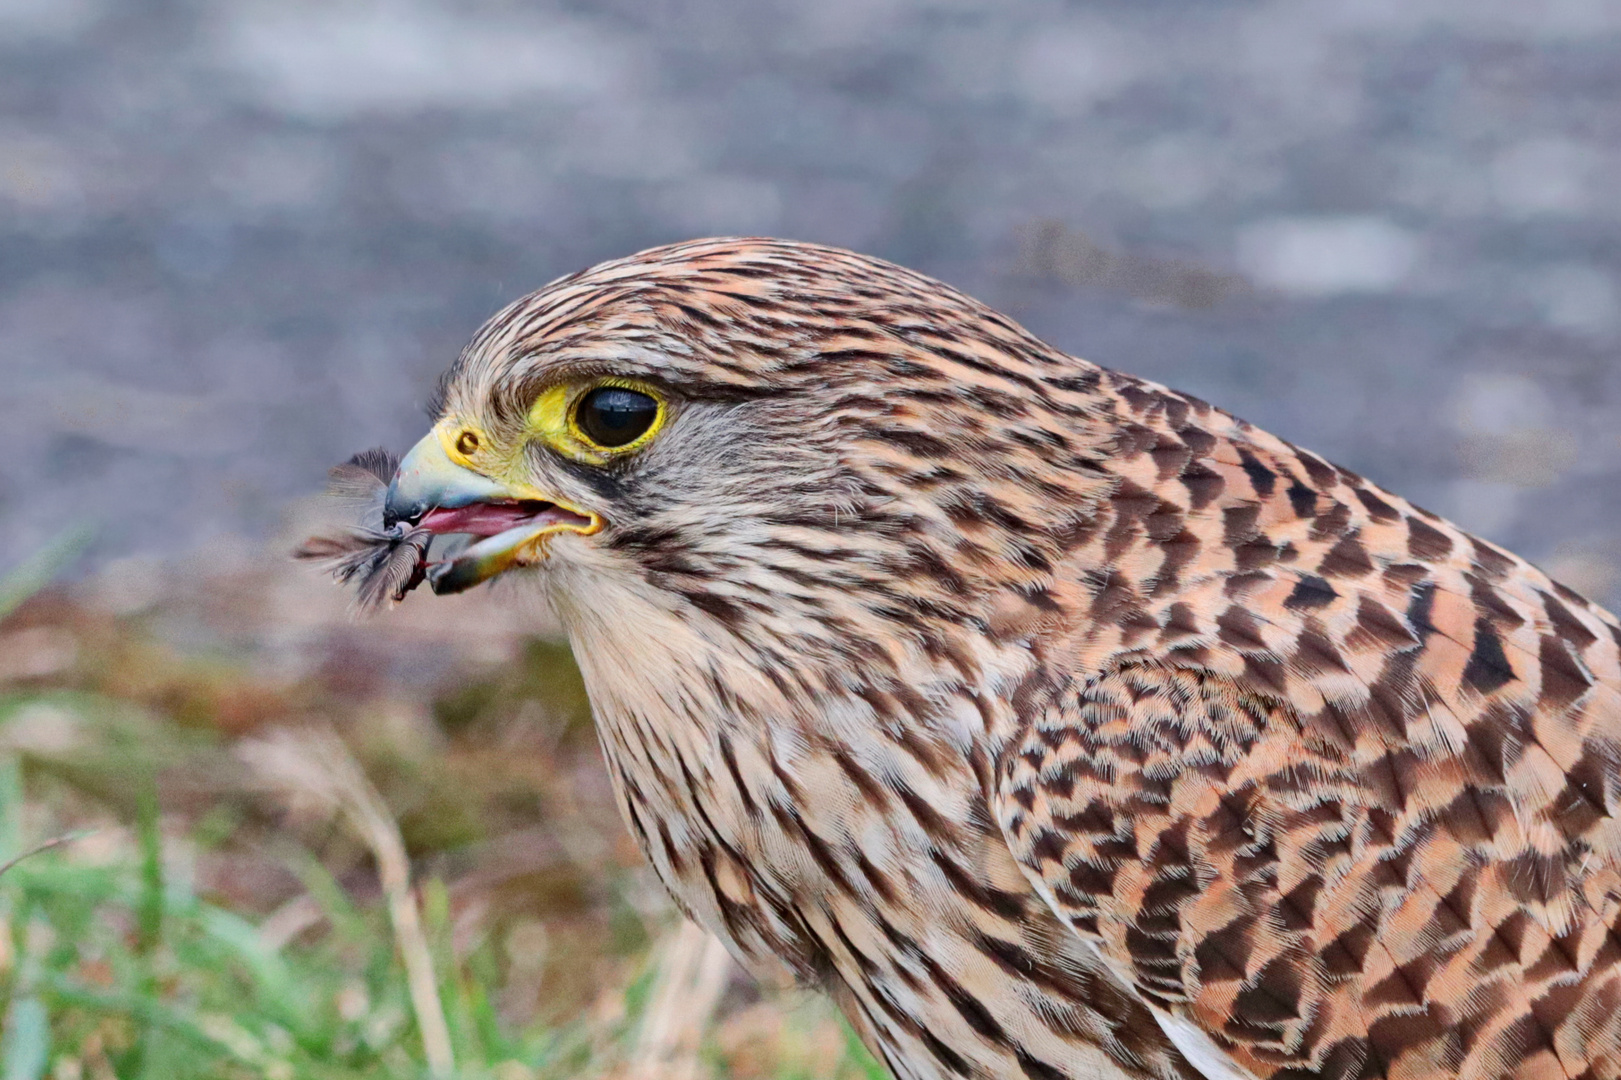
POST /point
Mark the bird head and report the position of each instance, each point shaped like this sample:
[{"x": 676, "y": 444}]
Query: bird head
[{"x": 786, "y": 442}]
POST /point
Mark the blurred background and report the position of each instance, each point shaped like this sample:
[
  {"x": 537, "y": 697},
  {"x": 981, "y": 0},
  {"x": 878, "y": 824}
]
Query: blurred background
[{"x": 239, "y": 240}]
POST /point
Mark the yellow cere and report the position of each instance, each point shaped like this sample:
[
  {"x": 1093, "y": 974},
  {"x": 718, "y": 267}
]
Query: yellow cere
[{"x": 470, "y": 448}]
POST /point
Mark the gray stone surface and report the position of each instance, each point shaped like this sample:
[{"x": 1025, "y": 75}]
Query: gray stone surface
[{"x": 238, "y": 240}]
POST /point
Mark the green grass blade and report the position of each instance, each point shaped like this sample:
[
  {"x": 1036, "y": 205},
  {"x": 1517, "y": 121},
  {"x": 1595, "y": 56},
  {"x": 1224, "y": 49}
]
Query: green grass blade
[
  {"x": 148, "y": 1010},
  {"x": 149, "y": 924},
  {"x": 241, "y": 938},
  {"x": 27, "y": 1041},
  {"x": 857, "y": 1055},
  {"x": 11, "y": 802},
  {"x": 36, "y": 571},
  {"x": 148, "y": 917},
  {"x": 346, "y": 919}
]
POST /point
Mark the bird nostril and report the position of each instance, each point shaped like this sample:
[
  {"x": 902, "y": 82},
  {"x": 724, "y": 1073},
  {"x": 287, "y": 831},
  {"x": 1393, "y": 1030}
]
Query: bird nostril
[{"x": 467, "y": 442}]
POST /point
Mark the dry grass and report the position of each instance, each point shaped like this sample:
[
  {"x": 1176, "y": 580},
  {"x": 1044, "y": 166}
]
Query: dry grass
[
  {"x": 313, "y": 764},
  {"x": 690, "y": 974},
  {"x": 309, "y": 847}
]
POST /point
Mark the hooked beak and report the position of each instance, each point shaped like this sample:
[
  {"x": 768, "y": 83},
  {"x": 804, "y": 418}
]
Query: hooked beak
[{"x": 512, "y": 520}]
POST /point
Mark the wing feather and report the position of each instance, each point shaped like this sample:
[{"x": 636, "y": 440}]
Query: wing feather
[
  {"x": 1248, "y": 881},
  {"x": 1324, "y": 778}
]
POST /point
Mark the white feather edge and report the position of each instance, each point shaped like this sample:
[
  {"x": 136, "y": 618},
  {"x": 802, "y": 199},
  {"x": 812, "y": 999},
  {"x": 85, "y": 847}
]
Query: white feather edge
[
  {"x": 1200, "y": 1049},
  {"x": 1193, "y": 1041}
]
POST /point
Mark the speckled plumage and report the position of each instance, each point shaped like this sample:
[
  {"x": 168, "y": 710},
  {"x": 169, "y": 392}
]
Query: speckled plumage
[{"x": 1059, "y": 724}]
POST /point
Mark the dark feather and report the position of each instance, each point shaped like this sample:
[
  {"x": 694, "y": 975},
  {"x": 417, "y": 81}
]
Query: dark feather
[
  {"x": 364, "y": 476},
  {"x": 383, "y": 563},
  {"x": 435, "y": 405}
]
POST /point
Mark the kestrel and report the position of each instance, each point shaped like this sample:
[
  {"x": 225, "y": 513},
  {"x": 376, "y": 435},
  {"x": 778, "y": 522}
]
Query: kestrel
[{"x": 1056, "y": 723}]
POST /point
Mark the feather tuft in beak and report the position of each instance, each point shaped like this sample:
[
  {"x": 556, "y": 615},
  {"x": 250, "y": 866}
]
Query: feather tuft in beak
[
  {"x": 402, "y": 504},
  {"x": 384, "y": 562}
]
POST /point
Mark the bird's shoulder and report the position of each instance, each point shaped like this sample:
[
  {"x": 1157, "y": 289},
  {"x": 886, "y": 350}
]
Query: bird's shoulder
[
  {"x": 1324, "y": 777},
  {"x": 1383, "y": 628}
]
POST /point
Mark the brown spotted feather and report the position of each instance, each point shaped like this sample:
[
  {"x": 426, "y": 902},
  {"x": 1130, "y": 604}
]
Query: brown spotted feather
[
  {"x": 1058, "y": 724},
  {"x": 1344, "y": 795}
]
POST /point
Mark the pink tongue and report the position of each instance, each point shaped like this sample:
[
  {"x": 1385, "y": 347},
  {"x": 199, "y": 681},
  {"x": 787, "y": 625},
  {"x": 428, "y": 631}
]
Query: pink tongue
[{"x": 480, "y": 519}]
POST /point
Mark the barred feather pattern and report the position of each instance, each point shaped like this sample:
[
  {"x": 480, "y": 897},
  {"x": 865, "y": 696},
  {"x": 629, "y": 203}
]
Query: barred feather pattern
[{"x": 1056, "y": 723}]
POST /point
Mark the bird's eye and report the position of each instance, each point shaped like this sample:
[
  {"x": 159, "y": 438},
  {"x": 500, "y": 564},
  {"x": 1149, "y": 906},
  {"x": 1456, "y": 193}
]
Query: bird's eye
[
  {"x": 613, "y": 416},
  {"x": 467, "y": 443}
]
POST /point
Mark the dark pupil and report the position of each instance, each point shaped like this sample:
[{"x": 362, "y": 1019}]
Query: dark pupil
[{"x": 614, "y": 416}]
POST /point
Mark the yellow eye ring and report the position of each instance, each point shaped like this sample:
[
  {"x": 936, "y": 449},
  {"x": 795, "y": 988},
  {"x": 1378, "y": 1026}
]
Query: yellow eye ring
[{"x": 616, "y": 416}]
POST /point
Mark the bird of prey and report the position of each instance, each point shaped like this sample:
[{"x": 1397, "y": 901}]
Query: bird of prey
[{"x": 1056, "y": 723}]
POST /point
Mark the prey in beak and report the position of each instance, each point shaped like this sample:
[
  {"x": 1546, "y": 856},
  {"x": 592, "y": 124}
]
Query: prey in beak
[
  {"x": 429, "y": 494},
  {"x": 511, "y": 520}
]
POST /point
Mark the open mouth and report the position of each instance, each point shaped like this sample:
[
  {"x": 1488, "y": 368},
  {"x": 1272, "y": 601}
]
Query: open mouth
[
  {"x": 508, "y": 520},
  {"x": 510, "y": 534},
  {"x": 494, "y": 518}
]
